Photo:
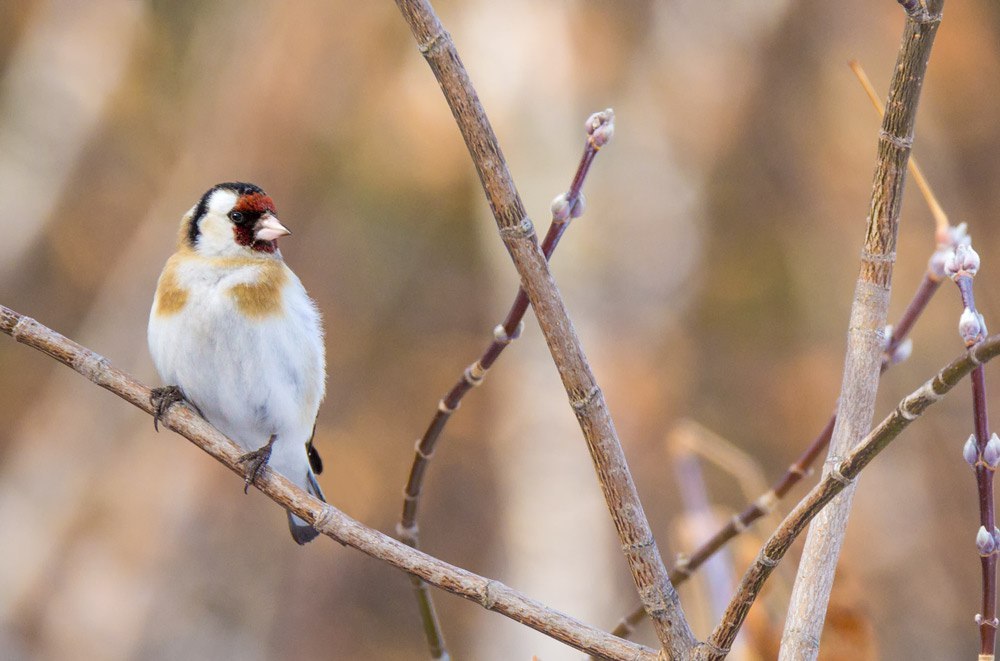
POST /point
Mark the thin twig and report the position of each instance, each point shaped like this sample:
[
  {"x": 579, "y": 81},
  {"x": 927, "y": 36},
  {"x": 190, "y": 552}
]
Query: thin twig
[
  {"x": 330, "y": 521},
  {"x": 565, "y": 208},
  {"x": 836, "y": 480},
  {"x": 634, "y": 533},
  {"x": 865, "y": 337},
  {"x": 981, "y": 450}
]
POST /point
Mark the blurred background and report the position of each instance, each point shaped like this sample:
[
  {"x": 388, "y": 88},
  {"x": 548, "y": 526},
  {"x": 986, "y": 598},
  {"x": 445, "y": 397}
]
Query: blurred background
[{"x": 710, "y": 280}]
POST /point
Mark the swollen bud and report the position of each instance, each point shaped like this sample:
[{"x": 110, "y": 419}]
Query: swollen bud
[
  {"x": 985, "y": 543},
  {"x": 560, "y": 208},
  {"x": 963, "y": 259},
  {"x": 971, "y": 326},
  {"x": 902, "y": 352},
  {"x": 886, "y": 337},
  {"x": 970, "y": 452},
  {"x": 991, "y": 453},
  {"x": 601, "y": 127}
]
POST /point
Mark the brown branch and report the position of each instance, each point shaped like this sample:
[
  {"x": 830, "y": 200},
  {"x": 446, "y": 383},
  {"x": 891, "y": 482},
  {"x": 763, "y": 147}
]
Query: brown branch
[
  {"x": 330, "y": 521},
  {"x": 565, "y": 208},
  {"x": 837, "y": 479},
  {"x": 635, "y": 535},
  {"x": 865, "y": 341}
]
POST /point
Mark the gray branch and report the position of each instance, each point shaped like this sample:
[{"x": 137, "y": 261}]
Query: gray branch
[{"x": 865, "y": 341}]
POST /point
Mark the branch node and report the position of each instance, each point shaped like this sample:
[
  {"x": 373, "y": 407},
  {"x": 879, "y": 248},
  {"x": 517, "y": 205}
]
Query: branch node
[
  {"x": 766, "y": 560},
  {"x": 501, "y": 336},
  {"x": 474, "y": 374},
  {"x": 715, "y": 650},
  {"x": 434, "y": 42},
  {"x": 22, "y": 323},
  {"x": 995, "y": 623},
  {"x": 639, "y": 546},
  {"x": 522, "y": 230},
  {"x": 738, "y": 524},
  {"x": 423, "y": 454},
  {"x": 325, "y": 516},
  {"x": 768, "y": 501},
  {"x": 898, "y": 141},
  {"x": 444, "y": 408},
  {"x": 581, "y": 403},
  {"x": 836, "y": 474},
  {"x": 682, "y": 566},
  {"x": 879, "y": 258},
  {"x": 487, "y": 600},
  {"x": 925, "y": 395},
  {"x": 801, "y": 471},
  {"x": 91, "y": 365}
]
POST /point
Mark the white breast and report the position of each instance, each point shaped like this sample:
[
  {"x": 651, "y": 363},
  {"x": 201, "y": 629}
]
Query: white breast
[{"x": 250, "y": 377}]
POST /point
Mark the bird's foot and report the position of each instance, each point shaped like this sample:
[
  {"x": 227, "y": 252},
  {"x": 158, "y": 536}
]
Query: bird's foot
[
  {"x": 162, "y": 399},
  {"x": 256, "y": 463}
]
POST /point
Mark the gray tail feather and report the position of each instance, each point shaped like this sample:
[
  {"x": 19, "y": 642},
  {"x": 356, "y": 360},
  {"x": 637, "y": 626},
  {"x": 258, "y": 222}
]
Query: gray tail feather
[{"x": 302, "y": 532}]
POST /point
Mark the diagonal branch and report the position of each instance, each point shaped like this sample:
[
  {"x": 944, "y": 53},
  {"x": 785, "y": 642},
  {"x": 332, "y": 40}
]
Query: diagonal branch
[
  {"x": 645, "y": 563},
  {"x": 840, "y": 477},
  {"x": 488, "y": 593},
  {"x": 865, "y": 340}
]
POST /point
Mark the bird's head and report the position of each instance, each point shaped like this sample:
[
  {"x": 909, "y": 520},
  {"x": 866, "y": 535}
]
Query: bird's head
[{"x": 233, "y": 220}]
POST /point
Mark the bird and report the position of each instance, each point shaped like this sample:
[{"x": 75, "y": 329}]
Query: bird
[{"x": 235, "y": 335}]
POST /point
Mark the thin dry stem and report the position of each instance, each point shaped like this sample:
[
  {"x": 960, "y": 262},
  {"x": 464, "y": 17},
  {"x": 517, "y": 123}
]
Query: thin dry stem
[
  {"x": 635, "y": 535},
  {"x": 865, "y": 341},
  {"x": 330, "y": 521}
]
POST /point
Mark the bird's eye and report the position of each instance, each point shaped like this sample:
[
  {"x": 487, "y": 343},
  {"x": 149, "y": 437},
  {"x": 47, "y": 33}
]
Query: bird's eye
[{"x": 236, "y": 216}]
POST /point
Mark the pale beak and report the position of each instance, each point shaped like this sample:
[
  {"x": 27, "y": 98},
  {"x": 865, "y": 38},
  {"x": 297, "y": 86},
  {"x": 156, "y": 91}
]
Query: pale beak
[{"x": 268, "y": 229}]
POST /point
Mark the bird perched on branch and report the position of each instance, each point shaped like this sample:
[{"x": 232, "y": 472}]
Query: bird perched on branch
[{"x": 235, "y": 334}]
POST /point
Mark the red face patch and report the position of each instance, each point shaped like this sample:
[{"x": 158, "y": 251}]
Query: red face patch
[{"x": 254, "y": 203}]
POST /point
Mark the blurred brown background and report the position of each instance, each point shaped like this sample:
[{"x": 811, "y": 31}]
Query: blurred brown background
[{"x": 710, "y": 280}]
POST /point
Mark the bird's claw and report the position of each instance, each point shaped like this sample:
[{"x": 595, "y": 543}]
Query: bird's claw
[
  {"x": 256, "y": 463},
  {"x": 161, "y": 400}
]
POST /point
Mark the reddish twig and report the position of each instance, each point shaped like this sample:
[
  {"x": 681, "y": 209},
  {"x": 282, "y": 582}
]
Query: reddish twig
[{"x": 982, "y": 451}]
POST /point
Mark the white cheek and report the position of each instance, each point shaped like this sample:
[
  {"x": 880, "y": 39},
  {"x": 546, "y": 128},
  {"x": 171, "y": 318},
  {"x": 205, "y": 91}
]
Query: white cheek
[{"x": 216, "y": 238}]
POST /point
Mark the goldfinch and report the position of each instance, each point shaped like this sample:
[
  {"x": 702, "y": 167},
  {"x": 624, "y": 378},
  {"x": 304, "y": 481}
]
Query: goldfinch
[{"x": 235, "y": 334}]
